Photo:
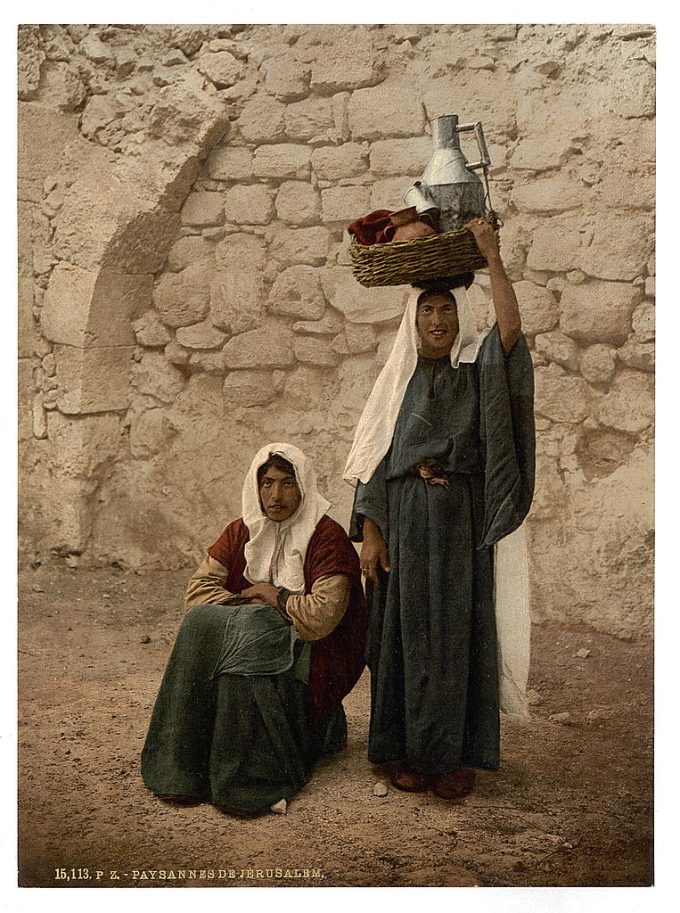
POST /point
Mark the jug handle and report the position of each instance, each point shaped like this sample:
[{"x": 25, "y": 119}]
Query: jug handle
[{"x": 484, "y": 161}]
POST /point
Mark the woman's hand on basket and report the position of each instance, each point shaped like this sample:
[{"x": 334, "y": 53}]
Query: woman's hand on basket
[{"x": 485, "y": 236}]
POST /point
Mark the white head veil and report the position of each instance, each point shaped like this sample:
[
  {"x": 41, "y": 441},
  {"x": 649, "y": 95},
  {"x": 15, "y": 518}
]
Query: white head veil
[
  {"x": 376, "y": 425},
  {"x": 290, "y": 537}
]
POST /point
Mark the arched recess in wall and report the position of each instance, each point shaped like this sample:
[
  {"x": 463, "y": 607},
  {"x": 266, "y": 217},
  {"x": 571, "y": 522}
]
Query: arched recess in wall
[{"x": 117, "y": 221}]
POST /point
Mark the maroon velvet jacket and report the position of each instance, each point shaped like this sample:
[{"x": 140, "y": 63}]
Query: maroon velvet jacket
[{"x": 337, "y": 660}]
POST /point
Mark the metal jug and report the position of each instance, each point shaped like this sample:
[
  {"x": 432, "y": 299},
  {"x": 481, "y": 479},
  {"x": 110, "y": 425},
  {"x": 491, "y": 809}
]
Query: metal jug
[{"x": 449, "y": 183}]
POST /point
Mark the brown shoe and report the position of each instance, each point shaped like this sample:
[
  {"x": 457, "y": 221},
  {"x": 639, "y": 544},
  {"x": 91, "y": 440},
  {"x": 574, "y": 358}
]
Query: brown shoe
[
  {"x": 455, "y": 785},
  {"x": 410, "y": 781}
]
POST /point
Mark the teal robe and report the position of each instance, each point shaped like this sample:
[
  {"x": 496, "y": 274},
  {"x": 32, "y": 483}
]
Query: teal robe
[{"x": 432, "y": 633}]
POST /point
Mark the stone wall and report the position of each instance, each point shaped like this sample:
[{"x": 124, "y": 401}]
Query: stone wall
[{"x": 186, "y": 294}]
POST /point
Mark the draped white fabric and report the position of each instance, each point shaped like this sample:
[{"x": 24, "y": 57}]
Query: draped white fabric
[{"x": 289, "y": 538}]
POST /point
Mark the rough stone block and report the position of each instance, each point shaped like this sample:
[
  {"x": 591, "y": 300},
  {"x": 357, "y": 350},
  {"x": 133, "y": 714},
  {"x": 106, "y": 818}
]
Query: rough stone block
[
  {"x": 237, "y": 300},
  {"x": 560, "y": 396},
  {"x": 187, "y": 251},
  {"x": 404, "y": 156},
  {"x": 598, "y": 364},
  {"x": 185, "y": 114},
  {"x": 249, "y": 205},
  {"x": 210, "y": 362},
  {"x": 286, "y": 78},
  {"x": 538, "y": 307},
  {"x": 643, "y": 321},
  {"x": 37, "y": 159},
  {"x": 101, "y": 111},
  {"x": 311, "y": 120},
  {"x": 538, "y": 153},
  {"x": 249, "y": 388},
  {"x": 230, "y": 163},
  {"x": 598, "y": 311},
  {"x": 298, "y": 203},
  {"x": 359, "y": 304},
  {"x": 154, "y": 376},
  {"x": 347, "y": 65},
  {"x": 386, "y": 110},
  {"x": 639, "y": 355},
  {"x": 92, "y": 380},
  {"x": 332, "y": 163},
  {"x": 360, "y": 338},
  {"x": 176, "y": 355},
  {"x": 39, "y": 418},
  {"x": 557, "y": 347},
  {"x": 620, "y": 247},
  {"x": 241, "y": 251},
  {"x": 283, "y": 160},
  {"x": 297, "y": 292},
  {"x": 150, "y": 332},
  {"x": 200, "y": 336},
  {"x": 85, "y": 309},
  {"x": 342, "y": 204},
  {"x": 556, "y": 246},
  {"x": 62, "y": 85},
  {"x": 557, "y": 193},
  {"x": 328, "y": 325},
  {"x": 301, "y": 245},
  {"x": 221, "y": 68},
  {"x": 632, "y": 90},
  {"x": 262, "y": 120},
  {"x": 182, "y": 298},
  {"x": 314, "y": 351},
  {"x": 270, "y": 346},
  {"x": 629, "y": 405},
  {"x": 203, "y": 209}
]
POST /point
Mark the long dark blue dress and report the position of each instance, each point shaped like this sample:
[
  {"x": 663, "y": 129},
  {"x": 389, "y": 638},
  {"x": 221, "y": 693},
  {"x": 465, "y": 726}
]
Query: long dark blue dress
[{"x": 432, "y": 632}]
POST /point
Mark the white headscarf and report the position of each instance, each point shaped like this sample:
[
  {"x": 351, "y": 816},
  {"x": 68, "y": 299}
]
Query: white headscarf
[
  {"x": 290, "y": 537},
  {"x": 376, "y": 425}
]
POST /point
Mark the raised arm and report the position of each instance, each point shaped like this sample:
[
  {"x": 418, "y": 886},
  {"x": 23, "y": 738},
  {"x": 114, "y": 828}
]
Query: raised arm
[{"x": 502, "y": 292}]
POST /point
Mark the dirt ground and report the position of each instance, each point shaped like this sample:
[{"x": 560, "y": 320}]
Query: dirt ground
[{"x": 571, "y": 805}]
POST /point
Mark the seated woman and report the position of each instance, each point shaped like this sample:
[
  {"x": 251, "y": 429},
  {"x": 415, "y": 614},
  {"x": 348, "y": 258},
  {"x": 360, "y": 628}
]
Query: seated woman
[{"x": 274, "y": 639}]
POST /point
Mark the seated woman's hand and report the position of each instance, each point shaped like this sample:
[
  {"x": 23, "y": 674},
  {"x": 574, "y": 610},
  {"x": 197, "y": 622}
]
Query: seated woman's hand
[{"x": 262, "y": 592}]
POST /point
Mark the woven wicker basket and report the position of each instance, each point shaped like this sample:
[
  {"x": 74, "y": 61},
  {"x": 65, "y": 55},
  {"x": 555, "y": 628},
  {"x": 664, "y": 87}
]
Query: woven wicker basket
[{"x": 404, "y": 262}]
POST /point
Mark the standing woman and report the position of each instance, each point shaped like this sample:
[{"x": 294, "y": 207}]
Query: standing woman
[{"x": 443, "y": 458}]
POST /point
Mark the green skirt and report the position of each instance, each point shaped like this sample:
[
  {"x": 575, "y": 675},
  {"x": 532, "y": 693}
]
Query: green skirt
[{"x": 225, "y": 727}]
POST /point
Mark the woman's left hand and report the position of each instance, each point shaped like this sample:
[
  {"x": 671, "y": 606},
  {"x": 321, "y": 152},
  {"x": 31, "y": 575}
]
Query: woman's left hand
[
  {"x": 485, "y": 236},
  {"x": 264, "y": 592}
]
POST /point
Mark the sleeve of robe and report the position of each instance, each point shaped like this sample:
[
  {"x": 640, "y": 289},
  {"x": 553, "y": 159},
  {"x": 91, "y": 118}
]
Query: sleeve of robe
[
  {"x": 207, "y": 584},
  {"x": 507, "y": 430},
  {"x": 314, "y": 616},
  {"x": 370, "y": 500},
  {"x": 318, "y": 613}
]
